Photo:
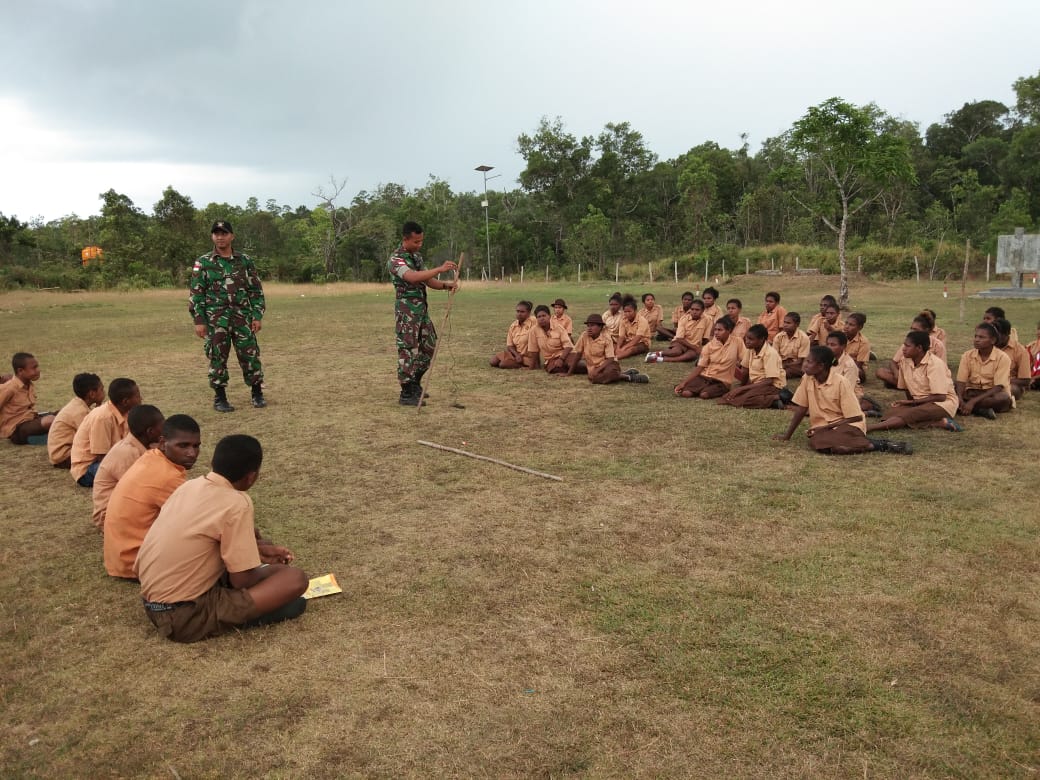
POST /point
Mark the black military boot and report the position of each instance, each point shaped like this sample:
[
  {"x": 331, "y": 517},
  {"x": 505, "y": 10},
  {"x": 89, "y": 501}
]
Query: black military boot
[
  {"x": 220, "y": 401},
  {"x": 258, "y": 399},
  {"x": 410, "y": 392}
]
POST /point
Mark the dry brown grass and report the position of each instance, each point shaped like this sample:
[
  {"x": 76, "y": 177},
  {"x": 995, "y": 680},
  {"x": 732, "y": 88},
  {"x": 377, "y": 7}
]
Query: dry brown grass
[{"x": 693, "y": 600}]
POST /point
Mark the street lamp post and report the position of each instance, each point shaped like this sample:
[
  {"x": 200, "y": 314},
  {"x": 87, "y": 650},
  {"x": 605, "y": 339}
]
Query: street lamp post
[{"x": 487, "y": 228}]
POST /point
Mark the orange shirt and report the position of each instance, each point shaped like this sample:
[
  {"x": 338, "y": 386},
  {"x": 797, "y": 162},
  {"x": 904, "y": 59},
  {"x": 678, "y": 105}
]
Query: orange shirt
[
  {"x": 677, "y": 314},
  {"x": 929, "y": 377},
  {"x": 595, "y": 351},
  {"x": 696, "y": 332},
  {"x": 764, "y": 364},
  {"x": 719, "y": 361},
  {"x": 548, "y": 345},
  {"x": 204, "y": 529},
  {"x": 17, "y": 405},
  {"x": 653, "y": 316},
  {"x": 63, "y": 429},
  {"x": 773, "y": 320},
  {"x": 847, "y": 368},
  {"x": 740, "y": 327},
  {"x": 979, "y": 374},
  {"x": 712, "y": 313},
  {"x": 564, "y": 321},
  {"x": 133, "y": 507},
  {"x": 637, "y": 329},
  {"x": 114, "y": 465},
  {"x": 96, "y": 435},
  {"x": 858, "y": 349},
  {"x": 790, "y": 347},
  {"x": 517, "y": 335},
  {"x": 829, "y": 401}
]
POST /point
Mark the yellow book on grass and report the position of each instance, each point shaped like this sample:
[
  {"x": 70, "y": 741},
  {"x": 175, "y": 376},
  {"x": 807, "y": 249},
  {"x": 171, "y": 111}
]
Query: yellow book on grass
[{"x": 323, "y": 586}]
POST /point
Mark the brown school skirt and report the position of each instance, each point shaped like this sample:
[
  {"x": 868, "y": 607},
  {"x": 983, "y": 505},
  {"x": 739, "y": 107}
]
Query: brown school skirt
[
  {"x": 760, "y": 395},
  {"x": 506, "y": 360},
  {"x": 845, "y": 436},
  {"x": 916, "y": 416},
  {"x": 555, "y": 365}
]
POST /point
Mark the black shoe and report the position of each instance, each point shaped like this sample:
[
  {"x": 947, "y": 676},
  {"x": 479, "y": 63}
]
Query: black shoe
[
  {"x": 639, "y": 379},
  {"x": 989, "y": 414},
  {"x": 872, "y": 413},
  {"x": 631, "y": 371},
  {"x": 259, "y": 402},
  {"x": 220, "y": 404},
  {"x": 900, "y": 448},
  {"x": 778, "y": 404},
  {"x": 410, "y": 395}
]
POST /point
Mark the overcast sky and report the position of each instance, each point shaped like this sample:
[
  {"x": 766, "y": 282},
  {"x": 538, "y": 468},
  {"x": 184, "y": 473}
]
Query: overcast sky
[{"x": 223, "y": 99}]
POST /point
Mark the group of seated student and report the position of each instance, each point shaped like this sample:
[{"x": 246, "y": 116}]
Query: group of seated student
[
  {"x": 749, "y": 366},
  {"x": 203, "y": 567}
]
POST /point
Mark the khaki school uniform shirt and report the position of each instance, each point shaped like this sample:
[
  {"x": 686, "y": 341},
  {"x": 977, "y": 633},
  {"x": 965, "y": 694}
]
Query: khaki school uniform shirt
[
  {"x": 564, "y": 321},
  {"x": 712, "y": 313},
  {"x": 518, "y": 334},
  {"x": 829, "y": 401},
  {"x": 935, "y": 346},
  {"x": 858, "y": 349},
  {"x": 114, "y": 465},
  {"x": 790, "y": 347},
  {"x": 612, "y": 324},
  {"x": 677, "y": 314},
  {"x": 765, "y": 363},
  {"x": 549, "y": 345},
  {"x": 653, "y": 316},
  {"x": 17, "y": 405},
  {"x": 638, "y": 328},
  {"x": 134, "y": 505},
  {"x": 204, "y": 529},
  {"x": 740, "y": 327},
  {"x": 847, "y": 368},
  {"x": 719, "y": 361},
  {"x": 595, "y": 351},
  {"x": 819, "y": 328},
  {"x": 1021, "y": 363},
  {"x": 63, "y": 429},
  {"x": 96, "y": 435},
  {"x": 773, "y": 320},
  {"x": 979, "y": 374},
  {"x": 694, "y": 331},
  {"x": 929, "y": 377}
]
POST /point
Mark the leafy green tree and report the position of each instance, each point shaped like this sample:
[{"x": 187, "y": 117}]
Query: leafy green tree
[{"x": 845, "y": 151}]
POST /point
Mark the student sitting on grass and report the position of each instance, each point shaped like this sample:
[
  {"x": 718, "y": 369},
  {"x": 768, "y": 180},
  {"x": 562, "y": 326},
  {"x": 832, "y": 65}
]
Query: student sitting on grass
[
  {"x": 761, "y": 371},
  {"x": 836, "y": 425},
  {"x": 516, "y": 339},
  {"x": 548, "y": 343},
  {"x": 844, "y": 365},
  {"x": 984, "y": 377},
  {"x": 1021, "y": 363},
  {"x": 612, "y": 317},
  {"x": 146, "y": 425},
  {"x": 594, "y": 355},
  {"x": 89, "y": 392},
  {"x": 101, "y": 429},
  {"x": 793, "y": 345},
  {"x": 691, "y": 335},
  {"x": 938, "y": 332},
  {"x": 710, "y": 296},
  {"x": 204, "y": 569},
  {"x": 634, "y": 333},
  {"x": 561, "y": 317},
  {"x": 773, "y": 317},
  {"x": 144, "y": 488},
  {"x": 18, "y": 416},
  {"x": 857, "y": 348},
  {"x": 994, "y": 313},
  {"x": 822, "y": 327},
  {"x": 814, "y": 321},
  {"x": 651, "y": 312},
  {"x": 888, "y": 372},
  {"x": 931, "y": 401},
  {"x": 716, "y": 370},
  {"x": 740, "y": 323},
  {"x": 668, "y": 334}
]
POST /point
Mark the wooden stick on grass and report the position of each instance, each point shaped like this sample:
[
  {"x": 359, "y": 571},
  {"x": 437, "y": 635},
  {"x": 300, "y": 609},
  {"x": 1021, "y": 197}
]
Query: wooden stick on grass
[{"x": 490, "y": 460}]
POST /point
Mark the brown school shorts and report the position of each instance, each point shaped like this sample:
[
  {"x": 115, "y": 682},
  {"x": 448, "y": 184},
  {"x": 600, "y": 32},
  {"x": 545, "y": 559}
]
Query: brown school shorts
[
  {"x": 215, "y": 612},
  {"x": 916, "y": 416},
  {"x": 845, "y": 436}
]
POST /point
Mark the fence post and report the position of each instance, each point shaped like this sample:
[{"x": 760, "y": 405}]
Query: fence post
[
  {"x": 917, "y": 267},
  {"x": 547, "y": 274},
  {"x": 675, "y": 264},
  {"x": 579, "y": 273},
  {"x": 650, "y": 267},
  {"x": 617, "y": 268},
  {"x": 706, "y": 271}
]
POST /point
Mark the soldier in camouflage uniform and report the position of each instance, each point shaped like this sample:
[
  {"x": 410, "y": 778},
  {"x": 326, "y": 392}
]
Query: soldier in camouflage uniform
[
  {"x": 416, "y": 336},
  {"x": 227, "y": 303}
]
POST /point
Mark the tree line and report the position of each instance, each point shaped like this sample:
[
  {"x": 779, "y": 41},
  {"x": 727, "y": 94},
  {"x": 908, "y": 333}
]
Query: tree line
[{"x": 842, "y": 177}]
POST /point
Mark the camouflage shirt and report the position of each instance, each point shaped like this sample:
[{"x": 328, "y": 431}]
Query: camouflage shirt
[
  {"x": 223, "y": 284},
  {"x": 399, "y": 263}
]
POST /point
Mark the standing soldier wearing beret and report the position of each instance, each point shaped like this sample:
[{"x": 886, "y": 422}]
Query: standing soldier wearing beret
[{"x": 227, "y": 304}]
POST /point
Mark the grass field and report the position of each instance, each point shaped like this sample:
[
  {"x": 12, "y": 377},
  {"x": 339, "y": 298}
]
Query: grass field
[{"x": 693, "y": 600}]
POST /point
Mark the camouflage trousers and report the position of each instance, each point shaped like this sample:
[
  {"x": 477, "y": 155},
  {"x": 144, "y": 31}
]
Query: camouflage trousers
[
  {"x": 416, "y": 339},
  {"x": 219, "y": 340}
]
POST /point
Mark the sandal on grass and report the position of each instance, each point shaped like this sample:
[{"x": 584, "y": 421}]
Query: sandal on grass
[{"x": 952, "y": 425}]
